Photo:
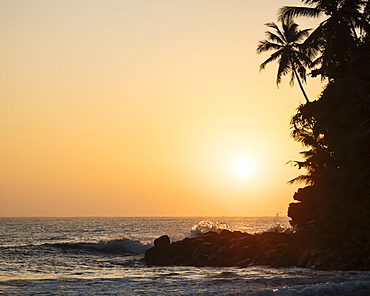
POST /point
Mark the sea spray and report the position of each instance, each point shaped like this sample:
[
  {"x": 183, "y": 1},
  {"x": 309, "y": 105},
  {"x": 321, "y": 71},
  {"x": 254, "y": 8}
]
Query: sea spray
[{"x": 206, "y": 226}]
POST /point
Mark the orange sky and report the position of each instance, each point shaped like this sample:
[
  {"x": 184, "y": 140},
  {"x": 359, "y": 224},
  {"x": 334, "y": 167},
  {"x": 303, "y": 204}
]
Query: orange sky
[{"x": 142, "y": 108}]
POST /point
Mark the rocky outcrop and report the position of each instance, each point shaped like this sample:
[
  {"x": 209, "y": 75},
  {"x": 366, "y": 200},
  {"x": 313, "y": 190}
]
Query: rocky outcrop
[
  {"x": 304, "y": 211},
  {"x": 327, "y": 236},
  {"x": 336, "y": 230},
  {"x": 270, "y": 248}
]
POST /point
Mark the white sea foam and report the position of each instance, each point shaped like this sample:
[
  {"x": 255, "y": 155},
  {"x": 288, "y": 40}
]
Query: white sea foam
[
  {"x": 280, "y": 228},
  {"x": 205, "y": 226}
]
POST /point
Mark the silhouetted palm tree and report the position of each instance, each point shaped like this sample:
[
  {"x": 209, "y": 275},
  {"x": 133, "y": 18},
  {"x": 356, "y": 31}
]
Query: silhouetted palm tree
[
  {"x": 336, "y": 36},
  {"x": 287, "y": 44}
]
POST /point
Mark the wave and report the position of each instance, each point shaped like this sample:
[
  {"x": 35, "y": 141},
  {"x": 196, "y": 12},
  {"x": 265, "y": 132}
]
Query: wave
[
  {"x": 206, "y": 226},
  {"x": 121, "y": 245},
  {"x": 280, "y": 228}
]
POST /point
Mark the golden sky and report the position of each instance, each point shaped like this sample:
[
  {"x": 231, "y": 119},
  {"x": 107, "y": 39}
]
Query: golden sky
[{"x": 143, "y": 108}]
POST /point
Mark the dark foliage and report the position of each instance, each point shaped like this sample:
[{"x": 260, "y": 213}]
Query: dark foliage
[{"x": 335, "y": 129}]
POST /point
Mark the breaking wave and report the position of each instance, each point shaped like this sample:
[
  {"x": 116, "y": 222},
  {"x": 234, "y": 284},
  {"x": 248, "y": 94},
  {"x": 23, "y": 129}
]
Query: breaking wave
[
  {"x": 206, "y": 226},
  {"x": 280, "y": 228},
  {"x": 121, "y": 245}
]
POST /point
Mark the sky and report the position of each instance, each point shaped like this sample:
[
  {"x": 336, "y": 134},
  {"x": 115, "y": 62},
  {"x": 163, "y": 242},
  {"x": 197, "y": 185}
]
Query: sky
[{"x": 143, "y": 108}]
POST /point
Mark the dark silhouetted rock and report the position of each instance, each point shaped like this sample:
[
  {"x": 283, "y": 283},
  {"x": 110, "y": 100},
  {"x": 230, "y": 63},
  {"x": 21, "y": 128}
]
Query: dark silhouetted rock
[
  {"x": 162, "y": 241},
  {"x": 312, "y": 248},
  {"x": 305, "y": 210}
]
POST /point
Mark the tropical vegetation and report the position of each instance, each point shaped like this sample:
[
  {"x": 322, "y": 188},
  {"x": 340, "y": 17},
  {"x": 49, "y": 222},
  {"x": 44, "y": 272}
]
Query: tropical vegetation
[{"x": 335, "y": 128}]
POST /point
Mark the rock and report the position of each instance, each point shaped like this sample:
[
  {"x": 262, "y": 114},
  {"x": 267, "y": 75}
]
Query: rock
[
  {"x": 306, "y": 194},
  {"x": 228, "y": 233},
  {"x": 202, "y": 249},
  {"x": 304, "y": 211},
  {"x": 211, "y": 237},
  {"x": 156, "y": 256},
  {"x": 245, "y": 253},
  {"x": 303, "y": 260},
  {"x": 228, "y": 262},
  {"x": 298, "y": 213},
  {"x": 225, "y": 252},
  {"x": 162, "y": 241},
  {"x": 248, "y": 241},
  {"x": 323, "y": 262},
  {"x": 311, "y": 248},
  {"x": 214, "y": 260},
  {"x": 201, "y": 260},
  {"x": 244, "y": 263},
  {"x": 283, "y": 262}
]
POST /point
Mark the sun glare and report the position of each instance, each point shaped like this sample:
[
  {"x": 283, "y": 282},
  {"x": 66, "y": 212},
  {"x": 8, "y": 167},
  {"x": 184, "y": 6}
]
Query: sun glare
[{"x": 243, "y": 168}]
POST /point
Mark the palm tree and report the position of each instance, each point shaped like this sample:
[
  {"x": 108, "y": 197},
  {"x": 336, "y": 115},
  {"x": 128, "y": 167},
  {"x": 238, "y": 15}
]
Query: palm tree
[
  {"x": 287, "y": 44},
  {"x": 336, "y": 36}
]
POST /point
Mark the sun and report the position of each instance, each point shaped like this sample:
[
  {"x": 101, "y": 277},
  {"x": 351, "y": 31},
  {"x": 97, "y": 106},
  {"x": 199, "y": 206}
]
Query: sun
[{"x": 243, "y": 167}]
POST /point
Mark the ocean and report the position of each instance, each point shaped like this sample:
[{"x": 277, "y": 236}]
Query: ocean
[{"x": 104, "y": 256}]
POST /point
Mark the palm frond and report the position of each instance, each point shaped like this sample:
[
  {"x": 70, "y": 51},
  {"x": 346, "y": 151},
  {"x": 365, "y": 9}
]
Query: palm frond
[
  {"x": 265, "y": 45},
  {"x": 311, "y": 53},
  {"x": 301, "y": 35},
  {"x": 277, "y": 29},
  {"x": 273, "y": 37},
  {"x": 302, "y": 59},
  {"x": 302, "y": 73},
  {"x": 291, "y": 81},
  {"x": 284, "y": 68},
  {"x": 305, "y": 179},
  {"x": 316, "y": 35},
  {"x": 295, "y": 11},
  {"x": 272, "y": 58}
]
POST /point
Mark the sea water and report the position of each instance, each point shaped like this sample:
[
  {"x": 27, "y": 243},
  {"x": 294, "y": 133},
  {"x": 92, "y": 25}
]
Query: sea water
[{"x": 104, "y": 256}]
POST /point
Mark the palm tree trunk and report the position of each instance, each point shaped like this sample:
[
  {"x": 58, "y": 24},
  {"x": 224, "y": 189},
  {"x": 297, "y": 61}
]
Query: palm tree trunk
[{"x": 300, "y": 83}]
